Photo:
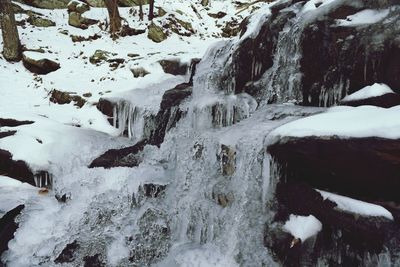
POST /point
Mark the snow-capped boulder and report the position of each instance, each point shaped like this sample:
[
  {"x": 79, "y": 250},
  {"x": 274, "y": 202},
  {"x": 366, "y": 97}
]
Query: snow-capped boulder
[
  {"x": 48, "y": 4},
  {"x": 174, "y": 66},
  {"x": 40, "y": 21},
  {"x": 379, "y": 95},
  {"x": 78, "y": 6},
  {"x": 76, "y": 19},
  {"x": 38, "y": 63}
]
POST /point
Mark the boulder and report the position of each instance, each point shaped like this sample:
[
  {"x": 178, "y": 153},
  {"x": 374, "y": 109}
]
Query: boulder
[
  {"x": 7, "y": 134},
  {"x": 99, "y": 56},
  {"x": 68, "y": 253},
  {"x": 39, "y": 65},
  {"x": 365, "y": 168},
  {"x": 227, "y": 158},
  {"x": 8, "y": 226},
  {"x": 78, "y": 7},
  {"x": 40, "y": 22},
  {"x": 76, "y": 19},
  {"x": 139, "y": 72},
  {"x": 59, "y": 97},
  {"x": 156, "y": 33},
  {"x": 174, "y": 66},
  {"x": 16, "y": 169}
]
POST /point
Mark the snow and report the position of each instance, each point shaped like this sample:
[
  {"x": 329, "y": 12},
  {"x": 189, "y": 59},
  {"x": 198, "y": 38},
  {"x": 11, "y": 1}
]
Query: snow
[
  {"x": 356, "y": 206},
  {"x": 302, "y": 227},
  {"x": 377, "y": 89},
  {"x": 364, "y": 17},
  {"x": 344, "y": 122}
]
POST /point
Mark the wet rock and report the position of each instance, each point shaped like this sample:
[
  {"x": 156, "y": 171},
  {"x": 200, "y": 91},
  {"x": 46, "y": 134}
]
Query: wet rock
[
  {"x": 384, "y": 101},
  {"x": 340, "y": 60},
  {"x": 174, "y": 66},
  {"x": 152, "y": 242},
  {"x": 68, "y": 253},
  {"x": 15, "y": 169},
  {"x": 40, "y": 22},
  {"x": 198, "y": 150},
  {"x": 345, "y": 237},
  {"x": 59, "y": 97},
  {"x": 366, "y": 168},
  {"x": 13, "y": 123},
  {"x": 39, "y": 66},
  {"x": 223, "y": 199},
  {"x": 107, "y": 108},
  {"x": 124, "y": 157},
  {"x": 156, "y": 33},
  {"x": 93, "y": 261},
  {"x": 139, "y": 72},
  {"x": 8, "y": 226},
  {"x": 227, "y": 158}
]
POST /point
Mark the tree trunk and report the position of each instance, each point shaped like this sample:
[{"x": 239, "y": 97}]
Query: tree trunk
[
  {"x": 141, "y": 9},
  {"x": 11, "y": 43},
  {"x": 151, "y": 10},
  {"x": 113, "y": 13}
]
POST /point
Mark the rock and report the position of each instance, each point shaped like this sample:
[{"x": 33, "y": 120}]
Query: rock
[
  {"x": 139, "y": 72},
  {"x": 218, "y": 15},
  {"x": 231, "y": 29},
  {"x": 384, "y": 101},
  {"x": 68, "y": 253},
  {"x": 95, "y": 3},
  {"x": 107, "y": 108},
  {"x": 153, "y": 190},
  {"x": 8, "y": 226},
  {"x": 349, "y": 235},
  {"x": 15, "y": 169},
  {"x": 365, "y": 168},
  {"x": 78, "y": 7},
  {"x": 161, "y": 12},
  {"x": 7, "y": 134},
  {"x": 205, "y": 2},
  {"x": 99, "y": 56},
  {"x": 39, "y": 66},
  {"x": 227, "y": 159},
  {"x": 348, "y": 58},
  {"x": 156, "y": 33},
  {"x": 13, "y": 123},
  {"x": 48, "y": 4},
  {"x": 133, "y": 55},
  {"x": 125, "y": 157},
  {"x": 93, "y": 261},
  {"x": 179, "y": 27},
  {"x": 128, "y": 3},
  {"x": 77, "y": 20},
  {"x": 40, "y": 22},
  {"x": 78, "y": 38},
  {"x": 59, "y": 97},
  {"x": 174, "y": 66}
]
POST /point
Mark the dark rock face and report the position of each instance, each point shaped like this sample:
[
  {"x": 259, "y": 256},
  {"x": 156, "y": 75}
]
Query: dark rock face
[
  {"x": 15, "y": 169},
  {"x": 345, "y": 239},
  {"x": 383, "y": 101},
  {"x": 364, "y": 168},
  {"x": 125, "y": 157},
  {"x": 340, "y": 60},
  {"x": 8, "y": 226},
  {"x": 13, "y": 123},
  {"x": 6, "y": 134},
  {"x": 367, "y": 168},
  {"x": 68, "y": 253}
]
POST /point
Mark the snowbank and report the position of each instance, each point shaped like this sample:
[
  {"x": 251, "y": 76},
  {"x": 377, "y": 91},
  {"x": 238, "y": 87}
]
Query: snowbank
[
  {"x": 344, "y": 122},
  {"x": 377, "y": 89},
  {"x": 302, "y": 227},
  {"x": 356, "y": 206},
  {"x": 368, "y": 16}
]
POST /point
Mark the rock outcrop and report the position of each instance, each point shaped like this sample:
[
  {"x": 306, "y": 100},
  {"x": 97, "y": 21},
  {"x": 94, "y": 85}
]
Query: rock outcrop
[{"x": 8, "y": 226}]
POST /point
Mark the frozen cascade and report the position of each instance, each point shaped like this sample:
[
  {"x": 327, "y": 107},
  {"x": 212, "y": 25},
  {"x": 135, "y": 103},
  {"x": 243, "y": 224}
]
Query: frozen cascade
[
  {"x": 132, "y": 121},
  {"x": 282, "y": 82}
]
